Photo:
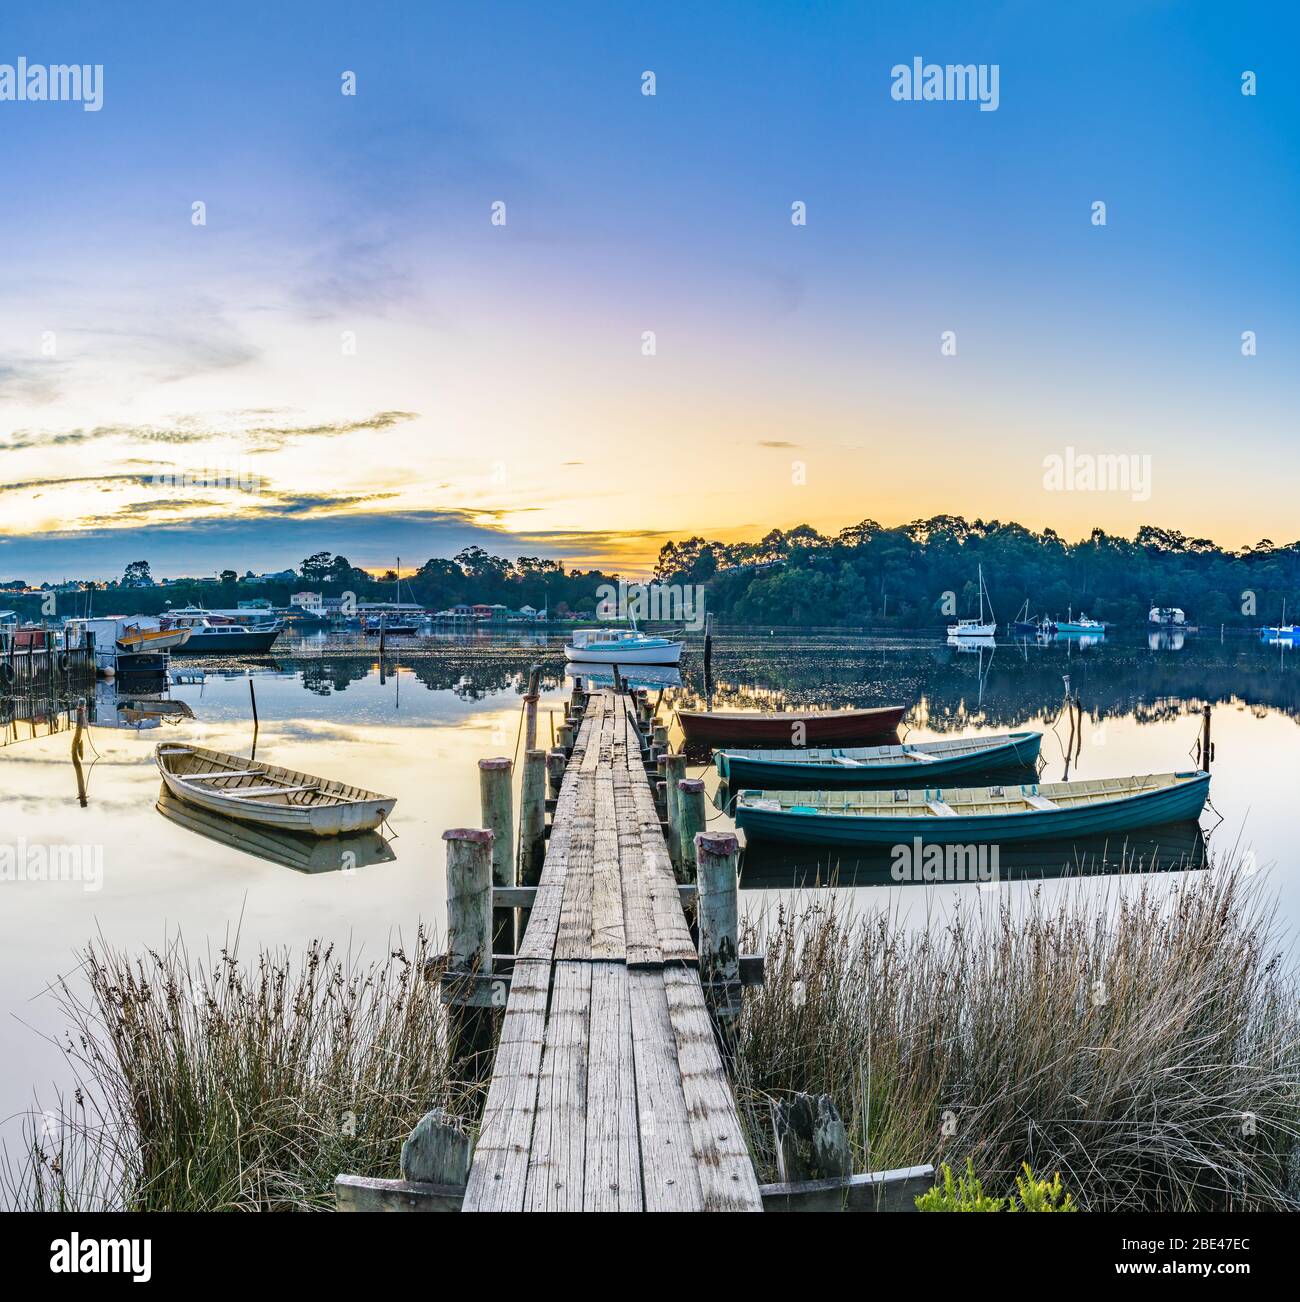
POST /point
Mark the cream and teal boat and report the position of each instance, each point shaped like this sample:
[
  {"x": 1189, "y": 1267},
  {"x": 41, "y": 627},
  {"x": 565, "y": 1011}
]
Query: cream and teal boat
[
  {"x": 957, "y": 815},
  {"x": 859, "y": 766}
]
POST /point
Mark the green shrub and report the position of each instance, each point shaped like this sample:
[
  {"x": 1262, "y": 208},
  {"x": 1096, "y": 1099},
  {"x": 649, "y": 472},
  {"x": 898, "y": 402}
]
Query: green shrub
[
  {"x": 1040, "y": 1195},
  {"x": 963, "y": 1194}
]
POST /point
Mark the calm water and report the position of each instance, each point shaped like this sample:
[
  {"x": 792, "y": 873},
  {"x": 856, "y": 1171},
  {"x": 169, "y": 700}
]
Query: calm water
[{"x": 416, "y": 731}]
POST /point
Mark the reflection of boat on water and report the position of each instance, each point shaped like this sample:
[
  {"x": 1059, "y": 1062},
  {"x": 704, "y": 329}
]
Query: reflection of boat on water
[
  {"x": 955, "y": 815},
  {"x": 1171, "y": 847},
  {"x": 861, "y": 766},
  {"x": 268, "y": 795},
  {"x": 651, "y": 676},
  {"x": 302, "y": 853}
]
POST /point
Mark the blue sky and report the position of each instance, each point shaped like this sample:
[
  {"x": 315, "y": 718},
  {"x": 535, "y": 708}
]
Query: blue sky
[{"x": 532, "y": 419}]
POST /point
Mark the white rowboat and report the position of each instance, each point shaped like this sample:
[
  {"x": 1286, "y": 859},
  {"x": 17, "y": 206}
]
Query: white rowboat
[{"x": 266, "y": 795}]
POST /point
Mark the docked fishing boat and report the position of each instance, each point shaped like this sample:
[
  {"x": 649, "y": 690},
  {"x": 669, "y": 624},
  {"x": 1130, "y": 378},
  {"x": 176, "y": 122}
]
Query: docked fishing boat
[
  {"x": 250, "y": 792},
  {"x": 863, "y": 765},
  {"x": 621, "y": 646},
  {"x": 964, "y": 815},
  {"x": 389, "y": 625},
  {"x": 116, "y": 656},
  {"x": 218, "y": 634},
  {"x": 779, "y": 727},
  {"x": 1082, "y": 625},
  {"x": 983, "y": 626},
  {"x": 1023, "y": 625},
  {"x": 149, "y": 635}
]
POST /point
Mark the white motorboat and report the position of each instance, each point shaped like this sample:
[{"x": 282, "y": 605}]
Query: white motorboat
[{"x": 621, "y": 646}]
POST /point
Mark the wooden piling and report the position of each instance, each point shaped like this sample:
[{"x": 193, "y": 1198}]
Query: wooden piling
[
  {"x": 564, "y": 737},
  {"x": 469, "y": 937},
  {"x": 718, "y": 901},
  {"x": 691, "y": 819},
  {"x": 674, "y": 772},
  {"x": 532, "y": 820},
  {"x": 497, "y": 806},
  {"x": 555, "y": 762},
  {"x": 531, "y": 698},
  {"x": 1207, "y": 745},
  {"x": 708, "y": 645}
]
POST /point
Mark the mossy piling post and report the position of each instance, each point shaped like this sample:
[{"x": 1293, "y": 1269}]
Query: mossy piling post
[
  {"x": 555, "y": 762},
  {"x": 691, "y": 819},
  {"x": 497, "y": 805},
  {"x": 469, "y": 935},
  {"x": 674, "y": 772},
  {"x": 718, "y": 901},
  {"x": 532, "y": 824}
]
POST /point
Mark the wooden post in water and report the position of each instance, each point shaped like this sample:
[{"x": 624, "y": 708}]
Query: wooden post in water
[
  {"x": 691, "y": 819},
  {"x": 661, "y": 800},
  {"x": 530, "y": 708},
  {"x": 1207, "y": 745},
  {"x": 469, "y": 899},
  {"x": 564, "y": 736},
  {"x": 555, "y": 762},
  {"x": 717, "y": 899},
  {"x": 532, "y": 824},
  {"x": 78, "y": 747},
  {"x": 674, "y": 771},
  {"x": 708, "y": 645},
  {"x": 497, "y": 804},
  {"x": 469, "y": 936}
]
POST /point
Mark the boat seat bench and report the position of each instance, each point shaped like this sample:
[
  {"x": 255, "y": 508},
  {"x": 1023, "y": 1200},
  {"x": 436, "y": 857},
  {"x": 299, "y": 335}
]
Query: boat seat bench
[
  {"x": 272, "y": 791},
  {"x": 1041, "y": 802}
]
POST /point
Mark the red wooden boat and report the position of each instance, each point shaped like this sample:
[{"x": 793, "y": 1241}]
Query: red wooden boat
[{"x": 778, "y": 728}]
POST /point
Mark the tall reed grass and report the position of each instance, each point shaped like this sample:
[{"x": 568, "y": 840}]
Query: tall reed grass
[
  {"x": 1143, "y": 1040},
  {"x": 227, "y": 1085}
]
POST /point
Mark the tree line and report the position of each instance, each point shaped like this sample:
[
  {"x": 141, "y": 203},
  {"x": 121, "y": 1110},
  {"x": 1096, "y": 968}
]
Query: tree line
[{"x": 919, "y": 574}]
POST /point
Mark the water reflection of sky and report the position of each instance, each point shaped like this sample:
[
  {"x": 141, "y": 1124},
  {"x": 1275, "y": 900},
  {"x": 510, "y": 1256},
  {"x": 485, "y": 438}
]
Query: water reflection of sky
[{"x": 418, "y": 734}]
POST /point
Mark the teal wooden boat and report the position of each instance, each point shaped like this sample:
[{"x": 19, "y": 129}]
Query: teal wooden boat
[
  {"x": 859, "y": 766},
  {"x": 961, "y": 815}
]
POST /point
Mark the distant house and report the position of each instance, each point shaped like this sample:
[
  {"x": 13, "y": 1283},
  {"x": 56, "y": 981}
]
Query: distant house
[
  {"x": 280, "y": 576},
  {"x": 312, "y": 602}
]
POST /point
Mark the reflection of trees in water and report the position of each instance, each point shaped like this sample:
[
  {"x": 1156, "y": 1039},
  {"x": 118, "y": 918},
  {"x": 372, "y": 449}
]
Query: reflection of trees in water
[
  {"x": 1012, "y": 684},
  {"x": 468, "y": 672}
]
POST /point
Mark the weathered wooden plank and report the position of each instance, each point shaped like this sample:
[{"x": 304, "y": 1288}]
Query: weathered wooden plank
[
  {"x": 727, "y": 1178},
  {"x": 359, "y": 1193},
  {"x": 498, "y": 1176},
  {"x": 640, "y": 928},
  {"x": 607, "y": 928},
  {"x": 880, "y": 1191},
  {"x": 573, "y": 937},
  {"x": 670, "y": 1175},
  {"x": 557, "y": 1158},
  {"x": 612, "y": 1179}
]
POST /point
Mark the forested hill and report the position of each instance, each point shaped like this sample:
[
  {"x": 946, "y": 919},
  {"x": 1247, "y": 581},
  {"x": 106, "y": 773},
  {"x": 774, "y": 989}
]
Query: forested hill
[{"x": 868, "y": 574}]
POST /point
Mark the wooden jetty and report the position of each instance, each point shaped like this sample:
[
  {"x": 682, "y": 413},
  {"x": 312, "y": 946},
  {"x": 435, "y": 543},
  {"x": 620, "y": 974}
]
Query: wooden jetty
[
  {"x": 31, "y": 661},
  {"x": 609, "y": 1090}
]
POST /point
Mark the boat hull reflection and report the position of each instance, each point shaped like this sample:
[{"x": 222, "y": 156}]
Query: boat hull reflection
[
  {"x": 304, "y": 854},
  {"x": 1172, "y": 847}
]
